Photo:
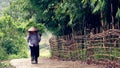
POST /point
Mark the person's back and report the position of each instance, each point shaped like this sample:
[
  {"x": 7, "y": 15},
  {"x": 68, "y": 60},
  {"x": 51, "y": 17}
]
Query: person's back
[{"x": 33, "y": 39}]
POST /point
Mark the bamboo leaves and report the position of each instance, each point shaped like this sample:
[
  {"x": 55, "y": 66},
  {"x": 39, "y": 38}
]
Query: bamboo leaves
[{"x": 118, "y": 13}]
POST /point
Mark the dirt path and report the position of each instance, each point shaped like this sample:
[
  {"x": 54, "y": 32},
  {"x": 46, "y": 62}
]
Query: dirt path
[{"x": 50, "y": 63}]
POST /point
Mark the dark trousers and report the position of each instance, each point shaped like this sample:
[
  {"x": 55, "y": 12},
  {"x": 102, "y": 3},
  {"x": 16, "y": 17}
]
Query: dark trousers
[{"x": 34, "y": 50}]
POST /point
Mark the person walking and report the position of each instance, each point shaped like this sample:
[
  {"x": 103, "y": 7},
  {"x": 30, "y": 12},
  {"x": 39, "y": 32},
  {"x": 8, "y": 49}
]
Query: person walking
[{"x": 33, "y": 39}]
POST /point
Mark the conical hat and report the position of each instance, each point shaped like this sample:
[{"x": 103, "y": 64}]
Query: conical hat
[{"x": 32, "y": 29}]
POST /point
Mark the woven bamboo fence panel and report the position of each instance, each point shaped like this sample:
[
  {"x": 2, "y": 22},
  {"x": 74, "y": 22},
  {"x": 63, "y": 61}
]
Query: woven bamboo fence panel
[{"x": 102, "y": 48}]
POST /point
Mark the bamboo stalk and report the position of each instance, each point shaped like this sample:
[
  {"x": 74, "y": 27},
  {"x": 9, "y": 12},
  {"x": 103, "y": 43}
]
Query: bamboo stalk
[
  {"x": 102, "y": 21},
  {"x": 112, "y": 22}
]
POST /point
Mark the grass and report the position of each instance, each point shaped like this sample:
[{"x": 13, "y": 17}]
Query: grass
[
  {"x": 45, "y": 52},
  {"x": 110, "y": 53},
  {"x": 6, "y": 64}
]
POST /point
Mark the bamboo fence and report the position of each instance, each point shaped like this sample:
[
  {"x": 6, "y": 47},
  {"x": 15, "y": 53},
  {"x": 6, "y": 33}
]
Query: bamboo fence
[{"x": 102, "y": 48}]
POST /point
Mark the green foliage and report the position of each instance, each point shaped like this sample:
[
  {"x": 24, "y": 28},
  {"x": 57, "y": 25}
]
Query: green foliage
[
  {"x": 6, "y": 65},
  {"x": 11, "y": 39},
  {"x": 59, "y": 16},
  {"x": 1, "y": 66},
  {"x": 118, "y": 13},
  {"x": 40, "y": 26},
  {"x": 3, "y": 54}
]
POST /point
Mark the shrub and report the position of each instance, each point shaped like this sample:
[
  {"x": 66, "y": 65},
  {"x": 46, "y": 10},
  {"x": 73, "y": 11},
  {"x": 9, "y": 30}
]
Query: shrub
[{"x": 3, "y": 54}]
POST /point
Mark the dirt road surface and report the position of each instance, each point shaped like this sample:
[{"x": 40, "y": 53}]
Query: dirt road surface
[{"x": 50, "y": 63}]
